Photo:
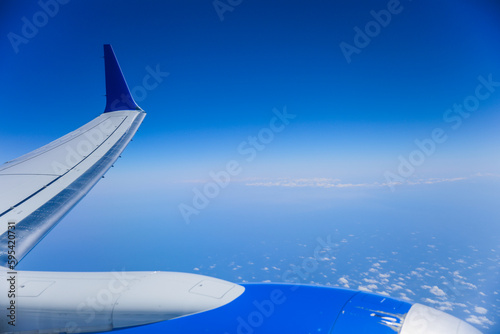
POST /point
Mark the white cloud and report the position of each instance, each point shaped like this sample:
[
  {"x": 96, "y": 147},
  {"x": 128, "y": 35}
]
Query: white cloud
[
  {"x": 414, "y": 273},
  {"x": 437, "y": 291},
  {"x": 365, "y": 288},
  {"x": 440, "y": 305},
  {"x": 480, "y": 320},
  {"x": 480, "y": 310},
  {"x": 344, "y": 282},
  {"x": 434, "y": 290},
  {"x": 409, "y": 291},
  {"x": 369, "y": 280},
  {"x": 383, "y": 293},
  {"x": 337, "y": 183},
  {"x": 322, "y": 182},
  {"x": 403, "y": 296}
]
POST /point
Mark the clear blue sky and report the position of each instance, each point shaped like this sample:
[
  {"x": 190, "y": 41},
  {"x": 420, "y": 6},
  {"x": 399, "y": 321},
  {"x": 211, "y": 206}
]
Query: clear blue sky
[{"x": 225, "y": 76}]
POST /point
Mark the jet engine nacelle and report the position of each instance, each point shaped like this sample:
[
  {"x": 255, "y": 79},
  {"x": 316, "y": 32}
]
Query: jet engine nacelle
[
  {"x": 174, "y": 303},
  {"x": 304, "y": 309}
]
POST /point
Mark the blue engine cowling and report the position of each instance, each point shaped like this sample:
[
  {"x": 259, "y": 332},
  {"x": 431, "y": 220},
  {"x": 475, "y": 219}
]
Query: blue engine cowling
[
  {"x": 304, "y": 309},
  {"x": 287, "y": 308}
]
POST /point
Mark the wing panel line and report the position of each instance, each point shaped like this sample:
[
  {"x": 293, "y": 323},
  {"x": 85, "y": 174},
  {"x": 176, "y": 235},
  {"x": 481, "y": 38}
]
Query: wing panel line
[
  {"x": 58, "y": 178},
  {"x": 32, "y": 229},
  {"x": 41, "y": 150}
]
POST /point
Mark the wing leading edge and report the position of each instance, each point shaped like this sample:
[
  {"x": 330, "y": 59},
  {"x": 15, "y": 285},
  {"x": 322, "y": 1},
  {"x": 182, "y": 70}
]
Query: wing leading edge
[{"x": 39, "y": 188}]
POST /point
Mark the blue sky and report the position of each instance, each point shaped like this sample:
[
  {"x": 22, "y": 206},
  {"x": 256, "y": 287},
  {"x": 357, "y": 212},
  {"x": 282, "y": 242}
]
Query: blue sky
[
  {"x": 356, "y": 118},
  {"x": 225, "y": 77}
]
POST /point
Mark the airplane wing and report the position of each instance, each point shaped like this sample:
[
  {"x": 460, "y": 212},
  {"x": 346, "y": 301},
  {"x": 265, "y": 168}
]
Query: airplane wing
[{"x": 39, "y": 188}]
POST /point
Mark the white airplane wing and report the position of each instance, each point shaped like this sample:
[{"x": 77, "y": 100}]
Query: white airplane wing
[{"x": 39, "y": 188}]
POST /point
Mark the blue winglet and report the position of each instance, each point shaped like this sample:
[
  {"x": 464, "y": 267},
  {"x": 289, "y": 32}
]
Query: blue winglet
[{"x": 118, "y": 95}]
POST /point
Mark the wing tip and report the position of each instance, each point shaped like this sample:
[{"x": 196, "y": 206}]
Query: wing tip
[{"x": 118, "y": 96}]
